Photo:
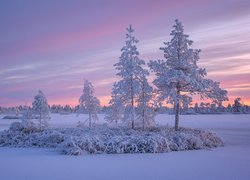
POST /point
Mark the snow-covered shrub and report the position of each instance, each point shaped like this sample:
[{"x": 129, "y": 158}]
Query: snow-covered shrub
[
  {"x": 50, "y": 138},
  {"x": 69, "y": 147},
  {"x": 101, "y": 139},
  {"x": 210, "y": 139},
  {"x": 80, "y": 124},
  {"x": 16, "y": 126},
  {"x": 24, "y": 128},
  {"x": 29, "y": 128},
  {"x": 187, "y": 142}
]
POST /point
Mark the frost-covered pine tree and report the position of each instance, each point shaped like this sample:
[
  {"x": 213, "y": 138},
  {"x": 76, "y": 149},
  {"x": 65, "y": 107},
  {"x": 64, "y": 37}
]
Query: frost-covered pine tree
[
  {"x": 178, "y": 76},
  {"x": 27, "y": 116},
  {"x": 145, "y": 112},
  {"x": 116, "y": 108},
  {"x": 40, "y": 109},
  {"x": 229, "y": 108},
  {"x": 237, "y": 106},
  {"x": 220, "y": 107},
  {"x": 89, "y": 102},
  {"x": 196, "y": 108},
  {"x": 66, "y": 109},
  {"x": 130, "y": 70},
  {"x": 17, "y": 111}
]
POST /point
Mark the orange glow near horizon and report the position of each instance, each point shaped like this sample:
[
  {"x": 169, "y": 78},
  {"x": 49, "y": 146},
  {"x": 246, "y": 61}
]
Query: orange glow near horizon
[{"x": 105, "y": 100}]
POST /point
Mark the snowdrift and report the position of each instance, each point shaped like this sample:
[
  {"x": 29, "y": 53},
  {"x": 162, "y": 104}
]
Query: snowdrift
[{"x": 101, "y": 139}]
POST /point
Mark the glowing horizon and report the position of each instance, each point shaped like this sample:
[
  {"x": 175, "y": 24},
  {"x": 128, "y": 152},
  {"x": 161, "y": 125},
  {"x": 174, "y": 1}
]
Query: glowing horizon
[{"x": 54, "y": 46}]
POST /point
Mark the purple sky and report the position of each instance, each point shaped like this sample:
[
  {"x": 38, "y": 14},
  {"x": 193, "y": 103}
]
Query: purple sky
[{"x": 55, "y": 45}]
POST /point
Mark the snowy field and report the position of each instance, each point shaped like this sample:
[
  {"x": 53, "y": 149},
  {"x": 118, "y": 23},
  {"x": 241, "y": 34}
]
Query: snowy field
[{"x": 229, "y": 162}]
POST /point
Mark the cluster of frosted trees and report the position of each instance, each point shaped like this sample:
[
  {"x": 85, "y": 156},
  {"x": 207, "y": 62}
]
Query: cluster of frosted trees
[
  {"x": 131, "y": 95},
  {"x": 177, "y": 77},
  {"x": 133, "y": 100}
]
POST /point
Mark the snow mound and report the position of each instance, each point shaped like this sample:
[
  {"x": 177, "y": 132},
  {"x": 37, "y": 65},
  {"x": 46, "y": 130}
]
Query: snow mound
[{"x": 76, "y": 141}]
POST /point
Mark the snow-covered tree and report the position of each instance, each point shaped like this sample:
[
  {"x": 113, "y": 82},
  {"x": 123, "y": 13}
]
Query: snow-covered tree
[
  {"x": 130, "y": 70},
  {"x": 220, "y": 107},
  {"x": 145, "y": 112},
  {"x": 178, "y": 76},
  {"x": 196, "y": 108},
  {"x": 229, "y": 108},
  {"x": 67, "y": 109},
  {"x": 17, "y": 111},
  {"x": 89, "y": 102},
  {"x": 40, "y": 109},
  {"x": 56, "y": 108},
  {"x": 116, "y": 108},
  {"x": 185, "y": 106},
  {"x": 237, "y": 105},
  {"x": 245, "y": 108},
  {"x": 213, "y": 108},
  {"x": 27, "y": 116}
]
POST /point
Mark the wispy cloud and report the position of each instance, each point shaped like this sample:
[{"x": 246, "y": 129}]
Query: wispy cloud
[{"x": 55, "y": 51}]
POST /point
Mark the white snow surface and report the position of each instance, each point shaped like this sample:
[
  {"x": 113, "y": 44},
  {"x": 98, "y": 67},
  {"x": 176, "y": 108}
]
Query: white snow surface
[{"x": 229, "y": 162}]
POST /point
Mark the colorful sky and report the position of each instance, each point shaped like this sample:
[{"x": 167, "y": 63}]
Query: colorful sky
[{"x": 55, "y": 45}]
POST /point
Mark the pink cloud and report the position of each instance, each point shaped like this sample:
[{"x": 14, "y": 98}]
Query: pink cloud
[{"x": 73, "y": 41}]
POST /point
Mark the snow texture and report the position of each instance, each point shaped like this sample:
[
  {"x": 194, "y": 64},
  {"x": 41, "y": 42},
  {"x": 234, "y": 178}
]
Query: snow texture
[
  {"x": 229, "y": 162},
  {"x": 101, "y": 139}
]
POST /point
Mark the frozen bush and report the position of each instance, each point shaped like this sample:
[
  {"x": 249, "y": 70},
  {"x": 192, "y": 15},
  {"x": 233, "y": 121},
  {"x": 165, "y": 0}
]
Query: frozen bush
[
  {"x": 50, "y": 139},
  {"x": 16, "y": 126},
  {"x": 69, "y": 147},
  {"x": 210, "y": 139},
  {"x": 30, "y": 128},
  {"x": 101, "y": 139}
]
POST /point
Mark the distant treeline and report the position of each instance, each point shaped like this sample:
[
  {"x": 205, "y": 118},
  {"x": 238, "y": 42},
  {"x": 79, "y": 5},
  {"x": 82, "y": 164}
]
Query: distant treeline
[{"x": 202, "y": 108}]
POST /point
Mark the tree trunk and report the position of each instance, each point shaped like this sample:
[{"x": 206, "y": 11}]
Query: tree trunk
[
  {"x": 116, "y": 118},
  {"x": 177, "y": 111},
  {"x": 143, "y": 119},
  {"x": 177, "y": 115},
  {"x": 144, "y": 105},
  {"x": 132, "y": 104},
  {"x": 40, "y": 119},
  {"x": 133, "y": 113}
]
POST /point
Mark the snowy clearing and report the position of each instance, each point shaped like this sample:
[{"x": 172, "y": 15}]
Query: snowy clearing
[{"x": 229, "y": 162}]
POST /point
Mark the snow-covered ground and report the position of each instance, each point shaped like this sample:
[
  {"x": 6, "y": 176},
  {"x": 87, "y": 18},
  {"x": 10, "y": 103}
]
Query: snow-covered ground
[{"x": 229, "y": 162}]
